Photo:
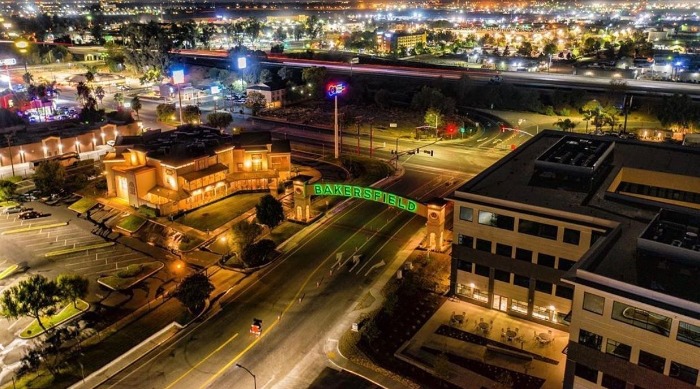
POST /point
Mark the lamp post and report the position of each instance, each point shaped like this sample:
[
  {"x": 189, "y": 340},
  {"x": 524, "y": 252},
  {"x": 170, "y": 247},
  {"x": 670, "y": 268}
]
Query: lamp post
[
  {"x": 333, "y": 91},
  {"x": 178, "y": 80},
  {"x": 255, "y": 382},
  {"x": 22, "y": 45},
  {"x": 9, "y": 146}
]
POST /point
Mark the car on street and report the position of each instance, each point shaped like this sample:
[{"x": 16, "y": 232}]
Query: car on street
[
  {"x": 15, "y": 209},
  {"x": 32, "y": 215}
]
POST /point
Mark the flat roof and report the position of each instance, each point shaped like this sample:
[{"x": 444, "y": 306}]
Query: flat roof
[{"x": 515, "y": 178}]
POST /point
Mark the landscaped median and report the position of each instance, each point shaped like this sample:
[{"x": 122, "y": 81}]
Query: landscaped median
[
  {"x": 83, "y": 205},
  {"x": 78, "y": 249},
  {"x": 34, "y": 228},
  {"x": 68, "y": 312},
  {"x": 131, "y": 275},
  {"x": 131, "y": 223}
]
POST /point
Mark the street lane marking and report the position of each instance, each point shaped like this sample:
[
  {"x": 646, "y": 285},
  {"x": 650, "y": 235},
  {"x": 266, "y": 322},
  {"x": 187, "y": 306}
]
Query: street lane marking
[{"x": 202, "y": 361}]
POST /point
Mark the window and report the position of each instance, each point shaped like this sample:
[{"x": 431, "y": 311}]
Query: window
[
  {"x": 545, "y": 260},
  {"x": 465, "y": 240},
  {"x": 593, "y": 303},
  {"x": 618, "y": 349},
  {"x": 466, "y": 214},
  {"x": 483, "y": 245},
  {"x": 613, "y": 382},
  {"x": 641, "y": 318},
  {"x": 586, "y": 373},
  {"x": 565, "y": 264},
  {"x": 521, "y": 281},
  {"x": 501, "y": 275},
  {"x": 523, "y": 255},
  {"x": 464, "y": 266},
  {"x": 504, "y": 249},
  {"x": 688, "y": 333},
  {"x": 543, "y": 286},
  {"x": 589, "y": 339},
  {"x": 572, "y": 236},
  {"x": 595, "y": 235},
  {"x": 482, "y": 270},
  {"x": 542, "y": 230},
  {"x": 565, "y": 292},
  {"x": 518, "y": 306},
  {"x": 683, "y": 373},
  {"x": 651, "y": 361},
  {"x": 496, "y": 220}
]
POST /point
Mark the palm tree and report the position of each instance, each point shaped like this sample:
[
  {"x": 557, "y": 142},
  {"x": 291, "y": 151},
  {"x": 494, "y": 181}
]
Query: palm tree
[
  {"x": 100, "y": 93},
  {"x": 28, "y": 78},
  {"x": 82, "y": 92},
  {"x": 119, "y": 99},
  {"x": 566, "y": 124},
  {"x": 136, "y": 106}
]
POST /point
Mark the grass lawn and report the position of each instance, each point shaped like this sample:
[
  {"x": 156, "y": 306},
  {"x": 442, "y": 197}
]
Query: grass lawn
[
  {"x": 213, "y": 216},
  {"x": 284, "y": 231},
  {"x": 83, "y": 205},
  {"x": 371, "y": 170},
  {"x": 9, "y": 203},
  {"x": 9, "y": 270},
  {"x": 129, "y": 276},
  {"x": 131, "y": 223},
  {"x": 67, "y": 312},
  {"x": 188, "y": 243}
]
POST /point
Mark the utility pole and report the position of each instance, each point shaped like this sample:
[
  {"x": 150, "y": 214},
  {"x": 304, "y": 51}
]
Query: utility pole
[
  {"x": 371, "y": 133},
  {"x": 336, "y": 127},
  {"x": 627, "y": 109},
  {"x": 358, "y": 137},
  {"x": 9, "y": 146}
]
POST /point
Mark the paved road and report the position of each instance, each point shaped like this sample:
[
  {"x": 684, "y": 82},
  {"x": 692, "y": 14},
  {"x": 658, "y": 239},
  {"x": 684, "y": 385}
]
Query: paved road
[{"x": 205, "y": 356}]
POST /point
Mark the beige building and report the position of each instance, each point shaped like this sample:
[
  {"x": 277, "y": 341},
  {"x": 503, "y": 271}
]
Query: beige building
[
  {"x": 193, "y": 166},
  {"x": 388, "y": 41},
  {"x": 274, "y": 94},
  {"x": 595, "y": 236}
]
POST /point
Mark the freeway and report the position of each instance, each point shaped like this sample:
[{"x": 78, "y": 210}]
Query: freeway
[
  {"x": 297, "y": 298},
  {"x": 528, "y": 79}
]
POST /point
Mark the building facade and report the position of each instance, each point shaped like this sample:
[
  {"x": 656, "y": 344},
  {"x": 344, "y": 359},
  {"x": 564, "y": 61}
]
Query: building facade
[
  {"x": 595, "y": 236},
  {"x": 274, "y": 94},
  {"x": 193, "y": 166}
]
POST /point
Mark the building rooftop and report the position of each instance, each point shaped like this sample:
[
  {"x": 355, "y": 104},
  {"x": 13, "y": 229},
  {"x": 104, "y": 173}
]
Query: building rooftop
[
  {"x": 638, "y": 186},
  {"x": 191, "y": 142}
]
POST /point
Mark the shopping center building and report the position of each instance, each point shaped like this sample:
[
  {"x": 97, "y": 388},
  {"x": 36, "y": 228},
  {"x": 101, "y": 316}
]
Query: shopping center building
[
  {"x": 597, "y": 236},
  {"x": 193, "y": 166}
]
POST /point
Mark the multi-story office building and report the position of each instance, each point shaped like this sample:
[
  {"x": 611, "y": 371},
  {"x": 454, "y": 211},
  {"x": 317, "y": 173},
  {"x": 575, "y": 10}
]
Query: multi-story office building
[{"x": 596, "y": 235}]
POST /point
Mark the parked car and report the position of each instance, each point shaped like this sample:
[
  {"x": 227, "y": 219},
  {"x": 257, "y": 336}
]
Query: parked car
[
  {"x": 15, "y": 209},
  {"x": 32, "y": 215},
  {"x": 28, "y": 197}
]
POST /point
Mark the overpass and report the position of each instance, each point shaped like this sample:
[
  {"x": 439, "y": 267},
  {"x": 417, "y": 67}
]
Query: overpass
[{"x": 569, "y": 82}]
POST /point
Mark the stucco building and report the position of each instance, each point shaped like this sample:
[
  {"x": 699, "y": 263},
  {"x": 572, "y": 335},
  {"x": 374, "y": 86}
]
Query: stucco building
[
  {"x": 193, "y": 166},
  {"x": 597, "y": 236}
]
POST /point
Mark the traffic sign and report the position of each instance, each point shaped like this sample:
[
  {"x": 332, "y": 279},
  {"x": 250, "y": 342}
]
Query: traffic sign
[
  {"x": 355, "y": 60},
  {"x": 8, "y": 61}
]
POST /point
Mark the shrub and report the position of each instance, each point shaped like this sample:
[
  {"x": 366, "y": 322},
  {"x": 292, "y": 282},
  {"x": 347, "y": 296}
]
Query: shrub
[
  {"x": 258, "y": 253},
  {"x": 148, "y": 212}
]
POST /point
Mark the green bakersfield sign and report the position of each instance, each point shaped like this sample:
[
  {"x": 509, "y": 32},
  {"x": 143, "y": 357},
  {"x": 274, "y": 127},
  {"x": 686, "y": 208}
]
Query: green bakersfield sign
[{"x": 361, "y": 192}]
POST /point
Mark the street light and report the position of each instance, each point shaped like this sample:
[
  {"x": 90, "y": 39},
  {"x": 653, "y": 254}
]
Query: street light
[
  {"x": 255, "y": 382},
  {"x": 22, "y": 46},
  {"x": 334, "y": 90},
  {"x": 179, "y": 79}
]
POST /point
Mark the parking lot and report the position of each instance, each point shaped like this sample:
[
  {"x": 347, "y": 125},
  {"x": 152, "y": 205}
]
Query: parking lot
[{"x": 29, "y": 248}]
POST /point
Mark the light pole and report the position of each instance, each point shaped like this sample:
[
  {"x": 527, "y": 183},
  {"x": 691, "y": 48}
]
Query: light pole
[
  {"x": 333, "y": 91},
  {"x": 178, "y": 80},
  {"x": 255, "y": 382},
  {"x": 22, "y": 45},
  {"x": 9, "y": 146}
]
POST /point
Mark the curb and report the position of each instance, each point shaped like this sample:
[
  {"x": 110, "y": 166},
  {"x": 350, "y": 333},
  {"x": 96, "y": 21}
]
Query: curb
[
  {"x": 56, "y": 253},
  {"x": 34, "y": 228},
  {"x": 57, "y": 324}
]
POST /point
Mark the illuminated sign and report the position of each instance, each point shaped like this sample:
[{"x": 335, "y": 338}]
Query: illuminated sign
[
  {"x": 215, "y": 89},
  {"x": 335, "y": 89},
  {"x": 366, "y": 194},
  {"x": 242, "y": 63},
  {"x": 178, "y": 76},
  {"x": 8, "y": 61}
]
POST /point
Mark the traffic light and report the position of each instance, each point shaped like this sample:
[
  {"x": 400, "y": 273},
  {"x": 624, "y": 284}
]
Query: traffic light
[{"x": 430, "y": 152}]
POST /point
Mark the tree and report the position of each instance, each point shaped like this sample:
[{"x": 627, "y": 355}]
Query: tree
[
  {"x": 49, "y": 177},
  {"x": 119, "y": 99},
  {"x": 165, "y": 112},
  {"x": 255, "y": 101},
  {"x": 265, "y": 76},
  {"x": 258, "y": 253},
  {"x": 100, "y": 93},
  {"x": 525, "y": 49},
  {"x": 7, "y": 189},
  {"x": 219, "y": 119},
  {"x": 136, "y": 106},
  {"x": 433, "y": 118},
  {"x": 429, "y": 97},
  {"x": 191, "y": 114},
  {"x": 193, "y": 291},
  {"x": 269, "y": 211},
  {"x": 316, "y": 76},
  {"x": 28, "y": 78},
  {"x": 285, "y": 73},
  {"x": 678, "y": 111},
  {"x": 35, "y": 297},
  {"x": 82, "y": 92},
  {"x": 382, "y": 98},
  {"x": 72, "y": 287},
  {"x": 566, "y": 124},
  {"x": 246, "y": 232},
  {"x": 549, "y": 49}
]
